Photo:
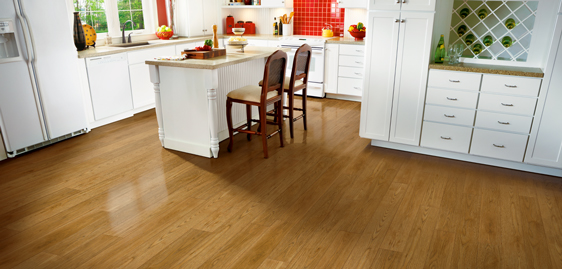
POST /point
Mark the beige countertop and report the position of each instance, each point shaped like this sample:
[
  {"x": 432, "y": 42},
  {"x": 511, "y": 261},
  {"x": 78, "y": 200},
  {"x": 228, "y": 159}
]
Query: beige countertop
[
  {"x": 233, "y": 56},
  {"x": 345, "y": 40},
  {"x": 491, "y": 69}
]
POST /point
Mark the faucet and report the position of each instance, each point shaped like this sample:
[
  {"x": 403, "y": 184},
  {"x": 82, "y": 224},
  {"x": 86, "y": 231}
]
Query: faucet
[{"x": 123, "y": 33}]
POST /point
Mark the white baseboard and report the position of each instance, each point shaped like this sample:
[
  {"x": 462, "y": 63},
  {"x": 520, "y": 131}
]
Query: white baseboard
[
  {"x": 470, "y": 158},
  {"x": 343, "y": 97}
]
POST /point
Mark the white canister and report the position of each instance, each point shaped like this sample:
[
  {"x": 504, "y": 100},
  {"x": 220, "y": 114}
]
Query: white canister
[{"x": 287, "y": 29}]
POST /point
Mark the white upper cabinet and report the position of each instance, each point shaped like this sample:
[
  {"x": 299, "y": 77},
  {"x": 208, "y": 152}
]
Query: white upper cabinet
[
  {"x": 545, "y": 145},
  {"x": 196, "y": 17},
  {"x": 379, "y": 75},
  {"x": 411, "y": 77},
  {"x": 277, "y": 3},
  {"x": 404, "y": 5},
  {"x": 352, "y": 3}
]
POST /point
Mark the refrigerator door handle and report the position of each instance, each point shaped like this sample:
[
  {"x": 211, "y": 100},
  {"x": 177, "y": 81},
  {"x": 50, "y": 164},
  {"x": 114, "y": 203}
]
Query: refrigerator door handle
[{"x": 29, "y": 31}]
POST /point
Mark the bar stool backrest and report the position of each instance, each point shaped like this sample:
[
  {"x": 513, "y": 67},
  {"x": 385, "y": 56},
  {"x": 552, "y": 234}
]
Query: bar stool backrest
[
  {"x": 301, "y": 64},
  {"x": 274, "y": 75}
]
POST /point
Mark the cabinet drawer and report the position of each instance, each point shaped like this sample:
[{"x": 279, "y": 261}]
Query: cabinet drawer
[
  {"x": 449, "y": 115},
  {"x": 511, "y": 85},
  {"x": 353, "y": 61},
  {"x": 498, "y": 145},
  {"x": 350, "y": 86},
  {"x": 454, "y": 80},
  {"x": 504, "y": 122},
  {"x": 354, "y": 50},
  {"x": 452, "y": 98},
  {"x": 140, "y": 56},
  {"x": 351, "y": 72},
  {"x": 446, "y": 137},
  {"x": 507, "y": 104}
]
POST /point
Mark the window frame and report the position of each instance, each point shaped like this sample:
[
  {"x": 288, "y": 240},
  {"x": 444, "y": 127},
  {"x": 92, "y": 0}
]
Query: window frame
[{"x": 150, "y": 15}]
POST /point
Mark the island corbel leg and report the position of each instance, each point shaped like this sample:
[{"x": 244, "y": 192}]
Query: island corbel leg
[
  {"x": 213, "y": 121},
  {"x": 155, "y": 79}
]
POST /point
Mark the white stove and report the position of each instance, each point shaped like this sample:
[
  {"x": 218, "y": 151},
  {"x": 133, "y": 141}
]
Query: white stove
[{"x": 315, "y": 86}]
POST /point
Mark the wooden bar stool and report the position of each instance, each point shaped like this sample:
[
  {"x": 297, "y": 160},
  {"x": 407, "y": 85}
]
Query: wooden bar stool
[
  {"x": 296, "y": 82},
  {"x": 271, "y": 92}
]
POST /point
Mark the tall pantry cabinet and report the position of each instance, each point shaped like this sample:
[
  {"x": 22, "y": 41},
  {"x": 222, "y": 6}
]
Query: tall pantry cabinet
[
  {"x": 545, "y": 144},
  {"x": 398, "y": 48}
]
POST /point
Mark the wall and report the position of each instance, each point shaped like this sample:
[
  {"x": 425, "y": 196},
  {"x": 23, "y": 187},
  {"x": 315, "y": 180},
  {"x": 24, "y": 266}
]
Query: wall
[
  {"x": 262, "y": 17},
  {"x": 312, "y": 16},
  {"x": 353, "y": 16}
]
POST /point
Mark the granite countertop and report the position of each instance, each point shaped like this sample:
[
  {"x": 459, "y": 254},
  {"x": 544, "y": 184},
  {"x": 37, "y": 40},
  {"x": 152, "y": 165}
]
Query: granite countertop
[
  {"x": 345, "y": 40},
  {"x": 491, "y": 69},
  {"x": 233, "y": 56}
]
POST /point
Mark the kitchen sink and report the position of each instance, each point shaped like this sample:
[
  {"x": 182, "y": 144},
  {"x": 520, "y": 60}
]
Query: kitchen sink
[{"x": 134, "y": 44}]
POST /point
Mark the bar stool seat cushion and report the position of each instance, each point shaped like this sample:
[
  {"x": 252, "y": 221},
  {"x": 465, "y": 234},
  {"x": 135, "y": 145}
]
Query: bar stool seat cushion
[
  {"x": 298, "y": 82},
  {"x": 250, "y": 93}
]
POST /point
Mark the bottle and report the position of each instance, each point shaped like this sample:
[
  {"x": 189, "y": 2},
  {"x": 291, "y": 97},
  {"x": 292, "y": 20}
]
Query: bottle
[
  {"x": 483, "y": 13},
  {"x": 280, "y": 26},
  {"x": 506, "y": 41},
  {"x": 477, "y": 48},
  {"x": 469, "y": 39},
  {"x": 488, "y": 40},
  {"x": 440, "y": 51},
  {"x": 510, "y": 23},
  {"x": 275, "y": 29},
  {"x": 461, "y": 30},
  {"x": 464, "y": 12}
]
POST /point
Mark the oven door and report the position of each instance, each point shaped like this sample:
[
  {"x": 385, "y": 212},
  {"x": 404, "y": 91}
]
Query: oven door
[{"x": 316, "y": 72}]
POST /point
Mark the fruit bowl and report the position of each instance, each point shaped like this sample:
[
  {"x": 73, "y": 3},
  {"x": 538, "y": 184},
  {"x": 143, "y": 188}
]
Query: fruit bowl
[
  {"x": 357, "y": 35},
  {"x": 165, "y": 35}
]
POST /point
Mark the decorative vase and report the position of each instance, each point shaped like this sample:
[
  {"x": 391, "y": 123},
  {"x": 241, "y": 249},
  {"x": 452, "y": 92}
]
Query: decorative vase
[{"x": 79, "y": 38}]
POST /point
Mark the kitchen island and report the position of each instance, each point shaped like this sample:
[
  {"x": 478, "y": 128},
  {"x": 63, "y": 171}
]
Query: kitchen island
[{"x": 191, "y": 97}]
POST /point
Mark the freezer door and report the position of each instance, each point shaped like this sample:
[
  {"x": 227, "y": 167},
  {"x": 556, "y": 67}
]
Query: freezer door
[{"x": 55, "y": 66}]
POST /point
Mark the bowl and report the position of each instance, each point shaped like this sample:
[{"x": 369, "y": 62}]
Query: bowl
[
  {"x": 357, "y": 35},
  {"x": 238, "y": 31},
  {"x": 164, "y": 35}
]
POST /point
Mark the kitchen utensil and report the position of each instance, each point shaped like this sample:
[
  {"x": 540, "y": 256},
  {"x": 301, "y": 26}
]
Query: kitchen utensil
[
  {"x": 238, "y": 31},
  {"x": 285, "y": 19},
  {"x": 287, "y": 29},
  {"x": 194, "y": 54},
  {"x": 291, "y": 17},
  {"x": 215, "y": 39},
  {"x": 327, "y": 31}
]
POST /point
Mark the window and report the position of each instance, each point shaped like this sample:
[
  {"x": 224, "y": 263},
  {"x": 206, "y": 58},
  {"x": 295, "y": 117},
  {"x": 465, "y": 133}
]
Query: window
[
  {"x": 131, "y": 10},
  {"x": 108, "y": 16},
  {"x": 92, "y": 12}
]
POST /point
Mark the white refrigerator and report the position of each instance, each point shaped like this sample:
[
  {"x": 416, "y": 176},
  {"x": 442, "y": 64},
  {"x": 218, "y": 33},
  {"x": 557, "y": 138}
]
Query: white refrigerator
[{"x": 40, "y": 97}]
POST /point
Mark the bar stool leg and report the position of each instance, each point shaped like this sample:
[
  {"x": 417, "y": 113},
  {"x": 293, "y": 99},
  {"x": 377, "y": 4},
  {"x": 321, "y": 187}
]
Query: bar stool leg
[
  {"x": 280, "y": 122},
  {"x": 304, "y": 107},
  {"x": 249, "y": 120},
  {"x": 291, "y": 109},
  {"x": 263, "y": 127},
  {"x": 229, "y": 123}
]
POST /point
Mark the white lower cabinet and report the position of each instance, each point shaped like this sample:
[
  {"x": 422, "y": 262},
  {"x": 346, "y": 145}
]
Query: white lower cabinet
[
  {"x": 449, "y": 115},
  {"x": 350, "y": 86},
  {"x": 507, "y": 104},
  {"x": 504, "y": 122},
  {"x": 499, "y": 145},
  {"x": 445, "y": 97},
  {"x": 331, "y": 62},
  {"x": 344, "y": 69},
  {"x": 446, "y": 137}
]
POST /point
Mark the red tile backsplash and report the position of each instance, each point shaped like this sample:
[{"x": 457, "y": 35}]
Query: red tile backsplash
[{"x": 313, "y": 15}]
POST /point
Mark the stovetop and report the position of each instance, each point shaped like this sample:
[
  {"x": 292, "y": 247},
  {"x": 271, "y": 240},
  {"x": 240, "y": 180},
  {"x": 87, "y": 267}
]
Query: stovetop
[{"x": 298, "y": 40}]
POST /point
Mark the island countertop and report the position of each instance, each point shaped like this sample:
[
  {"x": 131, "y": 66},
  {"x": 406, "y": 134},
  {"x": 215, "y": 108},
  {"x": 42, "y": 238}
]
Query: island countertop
[{"x": 233, "y": 56}]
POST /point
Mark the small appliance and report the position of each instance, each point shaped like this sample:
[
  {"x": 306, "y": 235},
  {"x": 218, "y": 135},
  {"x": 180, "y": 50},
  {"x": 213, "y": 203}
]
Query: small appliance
[
  {"x": 250, "y": 27},
  {"x": 229, "y": 24}
]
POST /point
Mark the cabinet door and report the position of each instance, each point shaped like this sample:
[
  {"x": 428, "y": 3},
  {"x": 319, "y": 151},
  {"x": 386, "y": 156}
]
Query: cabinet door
[
  {"x": 331, "y": 59},
  {"x": 418, "y": 5},
  {"x": 196, "y": 18},
  {"x": 273, "y": 3},
  {"x": 384, "y": 5},
  {"x": 381, "y": 48},
  {"x": 411, "y": 77},
  {"x": 210, "y": 17},
  {"x": 352, "y": 3},
  {"x": 141, "y": 87},
  {"x": 547, "y": 148}
]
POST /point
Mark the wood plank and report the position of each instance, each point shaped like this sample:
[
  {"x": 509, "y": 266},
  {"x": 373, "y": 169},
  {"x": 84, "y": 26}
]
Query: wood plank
[
  {"x": 465, "y": 249},
  {"x": 535, "y": 247},
  {"x": 441, "y": 249},
  {"x": 489, "y": 237},
  {"x": 552, "y": 217}
]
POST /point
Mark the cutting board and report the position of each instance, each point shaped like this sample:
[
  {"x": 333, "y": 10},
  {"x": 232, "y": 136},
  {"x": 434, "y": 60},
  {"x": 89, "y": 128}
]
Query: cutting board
[{"x": 193, "y": 54}]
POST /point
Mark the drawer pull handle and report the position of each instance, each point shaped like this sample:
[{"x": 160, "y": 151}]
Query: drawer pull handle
[
  {"x": 504, "y": 104},
  {"x": 454, "y": 80},
  {"x": 451, "y": 98},
  {"x": 357, "y": 88},
  {"x": 504, "y": 122},
  {"x": 358, "y": 62},
  {"x": 446, "y": 137},
  {"x": 359, "y": 74},
  {"x": 498, "y": 146},
  {"x": 510, "y": 86},
  {"x": 397, "y": 1},
  {"x": 397, "y": 20},
  {"x": 359, "y": 50},
  {"x": 449, "y": 116}
]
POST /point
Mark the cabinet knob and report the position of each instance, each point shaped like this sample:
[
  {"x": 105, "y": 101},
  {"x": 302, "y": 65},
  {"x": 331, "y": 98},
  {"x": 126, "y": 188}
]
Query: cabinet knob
[
  {"x": 397, "y": 1},
  {"x": 357, "y": 88},
  {"x": 403, "y": 1},
  {"x": 358, "y": 62},
  {"x": 498, "y": 146},
  {"x": 397, "y": 20},
  {"x": 403, "y": 21},
  {"x": 359, "y": 74}
]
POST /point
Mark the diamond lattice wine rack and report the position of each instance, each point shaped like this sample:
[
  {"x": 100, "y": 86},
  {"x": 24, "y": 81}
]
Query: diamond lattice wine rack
[{"x": 502, "y": 29}]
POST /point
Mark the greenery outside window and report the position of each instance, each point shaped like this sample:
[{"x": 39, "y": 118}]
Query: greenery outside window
[
  {"x": 131, "y": 10},
  {"x": 92, "y": 12}
]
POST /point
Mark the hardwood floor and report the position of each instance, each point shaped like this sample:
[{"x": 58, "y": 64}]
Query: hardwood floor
[{"x": 114, "y": 198}]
